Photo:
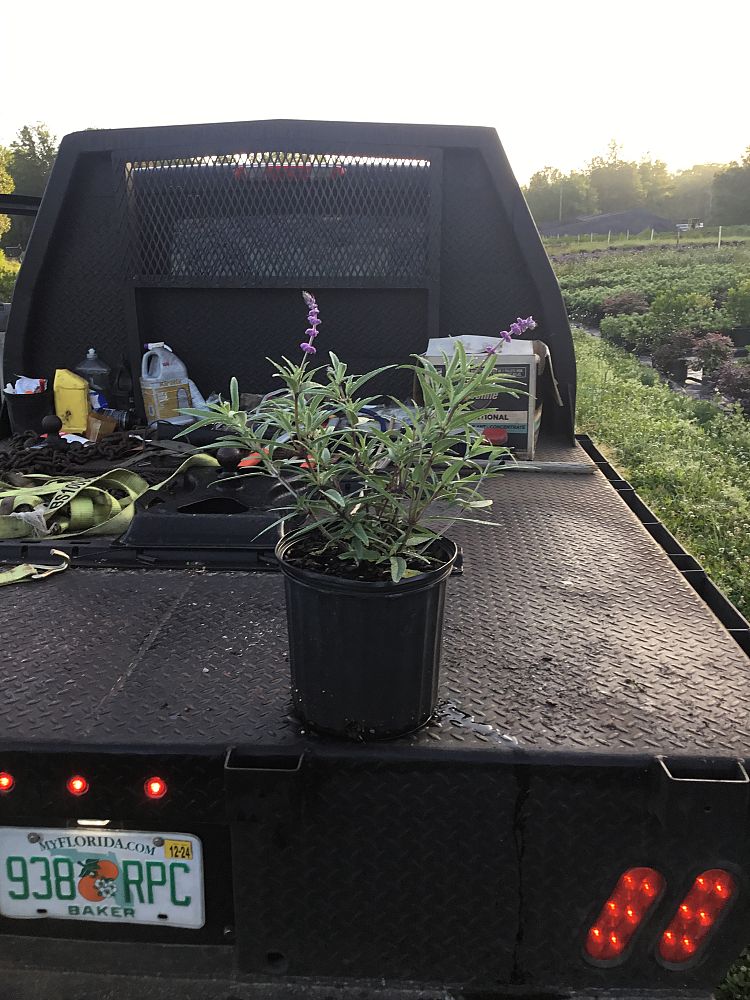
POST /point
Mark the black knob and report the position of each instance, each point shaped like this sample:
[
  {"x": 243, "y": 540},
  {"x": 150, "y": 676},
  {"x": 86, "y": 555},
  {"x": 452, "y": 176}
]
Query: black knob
[
  {"x": 228, "y": 459},
  {"x": 51, "y": 426}
]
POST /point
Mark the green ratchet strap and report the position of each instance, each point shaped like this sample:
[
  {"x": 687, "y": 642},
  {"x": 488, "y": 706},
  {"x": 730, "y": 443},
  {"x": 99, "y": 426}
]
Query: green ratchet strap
[
  {"x": 78, "y": 507},
  {"x": 28, "y": 571}
]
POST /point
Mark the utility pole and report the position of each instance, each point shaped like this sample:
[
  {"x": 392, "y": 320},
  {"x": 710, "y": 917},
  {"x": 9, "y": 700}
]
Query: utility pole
[{"x": 559, "y": 218}]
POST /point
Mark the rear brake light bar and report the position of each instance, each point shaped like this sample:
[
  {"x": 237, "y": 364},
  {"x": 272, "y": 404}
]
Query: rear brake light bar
[
  {"x": 696, "y": 916},
  {"x": 635, "y": 894},
  {"x": 296, "y": 171}
]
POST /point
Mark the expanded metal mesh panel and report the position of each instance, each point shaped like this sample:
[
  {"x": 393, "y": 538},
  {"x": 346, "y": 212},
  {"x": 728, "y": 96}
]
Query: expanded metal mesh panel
[{"x": 278, "y": 217}]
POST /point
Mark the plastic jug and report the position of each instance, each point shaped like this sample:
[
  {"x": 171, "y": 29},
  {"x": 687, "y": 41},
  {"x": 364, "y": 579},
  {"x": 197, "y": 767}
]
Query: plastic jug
[
  {"x": 71, "y": 401},
  {"x": 161, "y": 363},
  {"x": 165, "y": 385},
  {"x": 97, "y": 373}
]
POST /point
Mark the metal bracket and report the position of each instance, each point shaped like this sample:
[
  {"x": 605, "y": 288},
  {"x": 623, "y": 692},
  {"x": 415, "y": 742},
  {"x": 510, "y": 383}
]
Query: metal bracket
[{"x": 743, "y": 778}]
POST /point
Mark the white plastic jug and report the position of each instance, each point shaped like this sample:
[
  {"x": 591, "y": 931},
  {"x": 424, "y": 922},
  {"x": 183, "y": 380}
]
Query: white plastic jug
[
  {"x": 162, "y": 365},
  {"x": 165, "y": 385}
]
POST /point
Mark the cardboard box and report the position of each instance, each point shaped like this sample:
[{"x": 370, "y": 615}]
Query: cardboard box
[
  {"x": 523, "y": 360},
  {"x": 164, "y": 399},
  {"x": 99, "y": 426}
]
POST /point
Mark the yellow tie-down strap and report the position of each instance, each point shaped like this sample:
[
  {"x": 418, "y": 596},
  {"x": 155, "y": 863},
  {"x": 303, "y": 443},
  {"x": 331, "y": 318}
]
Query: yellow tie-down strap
[{"x": 64, "y": 508}]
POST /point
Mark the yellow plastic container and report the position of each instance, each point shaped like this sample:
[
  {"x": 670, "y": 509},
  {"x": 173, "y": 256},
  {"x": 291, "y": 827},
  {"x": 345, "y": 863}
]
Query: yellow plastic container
[{"x": 71, "y": 401}]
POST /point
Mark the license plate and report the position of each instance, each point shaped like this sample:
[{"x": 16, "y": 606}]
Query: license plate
[{"x": 110, "y": 876}]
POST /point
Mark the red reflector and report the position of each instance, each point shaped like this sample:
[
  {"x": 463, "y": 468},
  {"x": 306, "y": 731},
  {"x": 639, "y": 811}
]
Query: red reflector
[
  {"x": 709, "y": 895},
  {"x": 77, "y": 785},
  {"x": 7, "y": 781},
  {"x": 496, "y": 435},
  {"x": 296, "y": 170},
  {"x": 635, "y": 893},
  {"x": 155, "y": 788}
]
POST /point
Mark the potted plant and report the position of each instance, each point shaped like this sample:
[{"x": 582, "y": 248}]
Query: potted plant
[
  {"x": 670, "y": 357},
  {"x": 712, "y": 351},
  {"x": 363, "y": 551}
]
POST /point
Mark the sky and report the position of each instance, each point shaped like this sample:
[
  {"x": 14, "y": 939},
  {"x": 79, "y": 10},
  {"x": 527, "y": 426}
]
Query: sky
[{"x": 558, "y": 80}]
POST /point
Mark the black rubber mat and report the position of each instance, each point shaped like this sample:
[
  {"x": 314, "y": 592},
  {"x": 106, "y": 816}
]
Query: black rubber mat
[{"x": 570, "y": 628}]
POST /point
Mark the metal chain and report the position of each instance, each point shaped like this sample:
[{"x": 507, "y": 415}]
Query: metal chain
[{"x": 22, "y": 456}]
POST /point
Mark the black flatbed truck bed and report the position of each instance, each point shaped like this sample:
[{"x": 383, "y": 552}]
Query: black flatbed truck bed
[
  {"x": 576, "y": 655},
  {"x": 569, "y": 631},
  {"x": 594, "y": 712}
]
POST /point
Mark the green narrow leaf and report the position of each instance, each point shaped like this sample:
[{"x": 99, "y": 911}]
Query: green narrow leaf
[
  {"x": 420, "y": 540},
  {"x": 360, "y": 533},
  {"x": 334, "y": 496},
  {"x": 398, "y": 568}
]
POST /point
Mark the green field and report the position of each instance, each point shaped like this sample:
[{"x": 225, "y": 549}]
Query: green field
[{"x": 588, "y": 280}]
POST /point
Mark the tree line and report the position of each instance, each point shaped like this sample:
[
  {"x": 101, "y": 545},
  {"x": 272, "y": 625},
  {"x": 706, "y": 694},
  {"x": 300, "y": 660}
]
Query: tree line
[
  {"x": 25, "y": 166},
  {"x": 715, "y": 193}
]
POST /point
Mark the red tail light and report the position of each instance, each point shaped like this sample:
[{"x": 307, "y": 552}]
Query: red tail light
[
  {"x": 296, "y": 170},
  {"x": 622, "y": 914},
  {"x": 155, "y": 788},
  {"x": 7, "y": 781},
  {"x": 77, "y": 785},
  {"x": 696, "y": 916}
]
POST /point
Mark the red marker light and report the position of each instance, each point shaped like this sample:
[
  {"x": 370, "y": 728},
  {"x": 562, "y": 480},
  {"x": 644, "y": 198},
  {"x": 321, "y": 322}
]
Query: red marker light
[
  {"x": 77, "y": 785},
  {"x": 708, "y": 897},
  {"x": 635, "y": 894},
  {"x": 7, "y": 781},
  {"x": 155, "y": 788}
]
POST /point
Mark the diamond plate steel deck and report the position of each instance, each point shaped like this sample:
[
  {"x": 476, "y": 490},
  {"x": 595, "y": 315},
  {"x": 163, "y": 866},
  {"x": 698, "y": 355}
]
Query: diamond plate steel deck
[{"x": 570, "y": 628}]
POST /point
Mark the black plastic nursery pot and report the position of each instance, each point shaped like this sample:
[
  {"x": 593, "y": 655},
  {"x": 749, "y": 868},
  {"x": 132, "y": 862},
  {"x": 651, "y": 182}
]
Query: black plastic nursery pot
[
  {"x": 365, "y": 656},
  {"x": 27, "y": 410}
]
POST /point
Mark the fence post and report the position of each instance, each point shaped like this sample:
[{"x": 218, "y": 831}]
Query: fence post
[
  {"x": 579, "y": 237},
  {"x": 609, "y": 237},
  {"x": 652, "y": 236},
  {"x": 591, "y": 238},
  {"x": 718, "y": 245}
]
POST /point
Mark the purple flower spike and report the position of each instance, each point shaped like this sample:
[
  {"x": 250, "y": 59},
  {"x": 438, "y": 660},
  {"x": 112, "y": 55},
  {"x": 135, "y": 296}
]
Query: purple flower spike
[
  {"x": 506, "y": 335},
  {"x": 313, "y": 318},
  {"x": 490, "y": 350},
  {"x": 516, "y": 329},
  {"x": 526, "y": 324}
]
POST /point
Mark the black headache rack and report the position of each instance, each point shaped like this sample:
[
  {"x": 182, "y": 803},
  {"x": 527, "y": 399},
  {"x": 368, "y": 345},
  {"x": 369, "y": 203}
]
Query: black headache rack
[
  {"x": 594, "y": 686},
  {"x": 203, "y": 237}
]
